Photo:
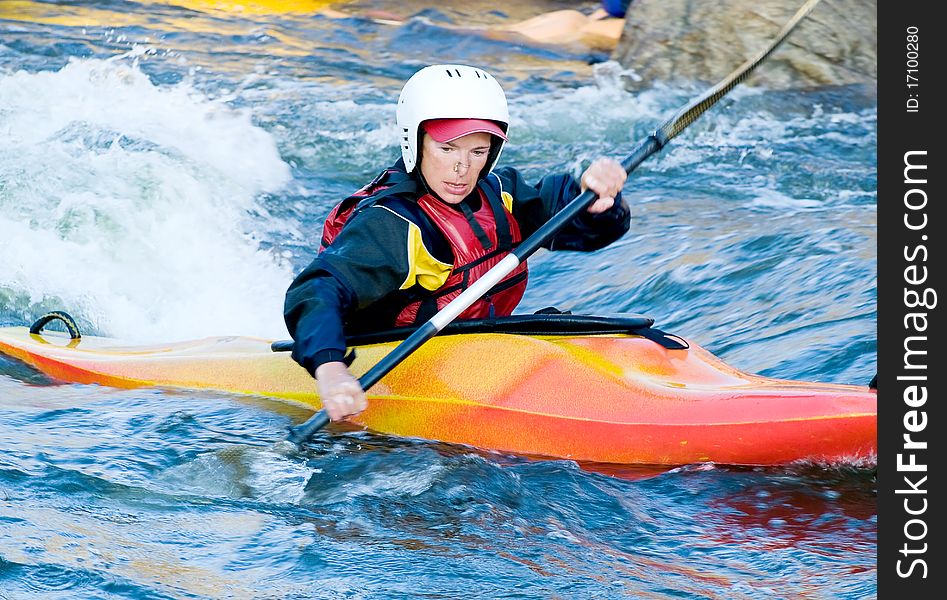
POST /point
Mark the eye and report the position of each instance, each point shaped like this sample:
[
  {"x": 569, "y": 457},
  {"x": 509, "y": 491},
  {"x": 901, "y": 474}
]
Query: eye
[
  {"x": 479, "y": 153},
  {"x": 446, "y": 149}
]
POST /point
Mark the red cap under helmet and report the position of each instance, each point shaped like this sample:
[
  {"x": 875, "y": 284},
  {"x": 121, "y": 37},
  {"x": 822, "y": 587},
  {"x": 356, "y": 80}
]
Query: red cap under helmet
[{"x": 448, "y": 130}]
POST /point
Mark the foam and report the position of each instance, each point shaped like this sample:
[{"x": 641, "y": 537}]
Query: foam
[{"x": 133, "y": 204}]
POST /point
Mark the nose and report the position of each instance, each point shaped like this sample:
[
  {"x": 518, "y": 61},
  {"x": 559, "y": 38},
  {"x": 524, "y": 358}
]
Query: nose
[{"x": 461, "y": 168}]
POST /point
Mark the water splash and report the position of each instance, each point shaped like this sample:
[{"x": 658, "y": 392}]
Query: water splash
[{"x": 134, "y": 205}]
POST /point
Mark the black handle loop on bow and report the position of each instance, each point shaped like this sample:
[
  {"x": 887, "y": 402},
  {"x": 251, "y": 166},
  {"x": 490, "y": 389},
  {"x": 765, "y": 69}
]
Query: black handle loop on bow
[{"x": 56, "y": 315}]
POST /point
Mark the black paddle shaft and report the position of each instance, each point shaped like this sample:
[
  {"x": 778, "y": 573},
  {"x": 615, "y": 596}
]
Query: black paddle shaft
[{"x": 650, "y": 145}]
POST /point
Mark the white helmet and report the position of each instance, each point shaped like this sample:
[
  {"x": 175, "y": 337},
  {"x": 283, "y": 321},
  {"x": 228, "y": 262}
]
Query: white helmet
[{"x": 449, "y": 92}]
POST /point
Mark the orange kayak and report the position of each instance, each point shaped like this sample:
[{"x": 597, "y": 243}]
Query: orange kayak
[{"x": 564, "y": 387}]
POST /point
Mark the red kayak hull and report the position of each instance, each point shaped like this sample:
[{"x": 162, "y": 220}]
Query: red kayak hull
[{"x": 605, "y": 398}]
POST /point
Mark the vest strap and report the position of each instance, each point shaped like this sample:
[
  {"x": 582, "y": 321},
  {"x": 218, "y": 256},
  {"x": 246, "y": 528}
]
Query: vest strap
[
  {"x": 485, "y": 242},
  {"x": 504, "y": 235}
]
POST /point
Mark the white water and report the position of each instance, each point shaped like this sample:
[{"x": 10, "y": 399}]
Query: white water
[
  {"x": 137, "y": 207},
  {"x": 133, "y": 205}
]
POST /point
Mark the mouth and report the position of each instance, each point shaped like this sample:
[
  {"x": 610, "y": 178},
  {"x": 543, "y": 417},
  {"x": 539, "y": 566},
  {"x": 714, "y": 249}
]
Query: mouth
[{"x": 455, "y": 188}]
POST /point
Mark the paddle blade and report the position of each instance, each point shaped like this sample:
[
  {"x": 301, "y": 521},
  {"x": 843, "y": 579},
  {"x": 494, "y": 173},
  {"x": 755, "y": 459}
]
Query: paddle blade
[{"x": 300, "y": 434}]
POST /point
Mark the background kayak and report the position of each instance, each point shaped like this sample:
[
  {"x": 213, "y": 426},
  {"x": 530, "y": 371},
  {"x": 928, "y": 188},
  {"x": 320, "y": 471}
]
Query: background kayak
[{"x": 165, "y": 172}]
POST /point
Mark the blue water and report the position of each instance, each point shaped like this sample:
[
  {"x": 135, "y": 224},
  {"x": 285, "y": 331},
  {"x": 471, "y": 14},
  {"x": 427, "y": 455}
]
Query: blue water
[{"x": 164, "y": 169}]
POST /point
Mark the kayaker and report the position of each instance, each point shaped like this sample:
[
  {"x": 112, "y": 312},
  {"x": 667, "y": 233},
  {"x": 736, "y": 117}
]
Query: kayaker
[
  {"x": 425, "y": 228},
  {"x": 599, "y": 29}
]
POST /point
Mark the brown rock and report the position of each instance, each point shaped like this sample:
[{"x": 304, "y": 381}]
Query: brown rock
[{"x": 704, "y": 40}]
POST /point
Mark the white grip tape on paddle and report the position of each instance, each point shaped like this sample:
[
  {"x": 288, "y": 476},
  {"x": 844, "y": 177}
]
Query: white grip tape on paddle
[{"x": 474, "y": 292}]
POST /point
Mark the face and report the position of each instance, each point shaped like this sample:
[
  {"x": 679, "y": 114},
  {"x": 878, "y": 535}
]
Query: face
[{"x": 451, "y": 168}]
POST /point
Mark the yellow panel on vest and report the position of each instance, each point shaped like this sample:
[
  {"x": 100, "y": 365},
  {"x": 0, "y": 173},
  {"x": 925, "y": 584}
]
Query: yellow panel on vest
[
  {"x": 507, "y": 201},
  {"x": 423, "y": 268}
]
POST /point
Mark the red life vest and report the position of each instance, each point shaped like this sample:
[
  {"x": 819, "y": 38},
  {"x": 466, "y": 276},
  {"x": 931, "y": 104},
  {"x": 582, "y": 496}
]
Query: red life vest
[{"x": 478, "y": 240}]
